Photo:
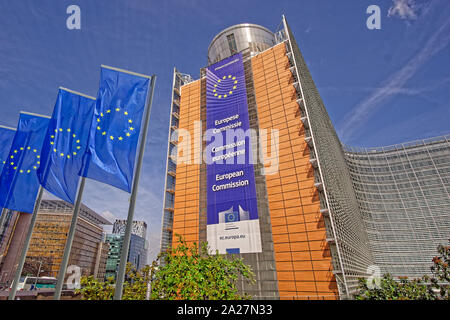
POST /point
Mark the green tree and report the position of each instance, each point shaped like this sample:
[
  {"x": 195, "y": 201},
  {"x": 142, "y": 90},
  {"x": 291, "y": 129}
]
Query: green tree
[
  {"x": 441, "y": 272},
  {"x": 390, "y": 289},
  {"x": 179, "y": 273},
  {"x": 93, "y": 289},
  {"x": 189, "y": 273},
  {"x": 432, "y": 287},
  {"x": 134, "y": 288}
]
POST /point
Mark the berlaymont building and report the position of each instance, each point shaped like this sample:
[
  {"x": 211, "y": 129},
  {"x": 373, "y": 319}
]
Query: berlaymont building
[{"x": 328, "y": 214}]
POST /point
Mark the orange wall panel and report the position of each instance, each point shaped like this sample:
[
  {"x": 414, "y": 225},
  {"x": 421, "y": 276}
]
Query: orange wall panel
[
  {"x": 187, "y": 187},
  {"x": 298, "y": 231}
]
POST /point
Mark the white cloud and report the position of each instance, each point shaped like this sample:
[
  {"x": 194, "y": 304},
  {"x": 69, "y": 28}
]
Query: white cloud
[
  {"x": 109, "y": 216},
  {"x": 395, "y": 83},
  {"x": 405, "y": 9}
]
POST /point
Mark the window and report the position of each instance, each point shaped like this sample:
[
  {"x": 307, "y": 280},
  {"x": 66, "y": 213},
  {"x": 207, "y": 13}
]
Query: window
[{"x": 232, "y": 43}]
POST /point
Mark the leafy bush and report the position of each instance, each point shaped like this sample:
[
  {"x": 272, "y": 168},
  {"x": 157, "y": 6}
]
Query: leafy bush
[
  {"x": 182, "y": 272},
  {"x": 436, "y": 287}
]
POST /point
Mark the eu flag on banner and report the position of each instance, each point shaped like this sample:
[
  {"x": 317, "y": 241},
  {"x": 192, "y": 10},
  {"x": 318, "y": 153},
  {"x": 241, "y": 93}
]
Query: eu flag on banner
[
  {"x": 6, "y": 138},
  {"x": 115, "y": 128},
  {"x": 19, "y": 183},
  {"x": 65, "y": 143}
]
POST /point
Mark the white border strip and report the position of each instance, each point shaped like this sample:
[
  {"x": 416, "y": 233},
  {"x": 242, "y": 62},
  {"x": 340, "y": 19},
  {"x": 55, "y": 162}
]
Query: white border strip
[
  {"x": 77, "y": 93},
  {"x": 126, "y": 71},
  {"x": 226, "y": 64},
  {"x": 35, "y": 114},
  {"x": 6, "y": 127}
]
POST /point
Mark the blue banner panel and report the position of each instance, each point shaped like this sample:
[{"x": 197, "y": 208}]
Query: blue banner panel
[
  {"x": 19, "y": 183},
  {"x": 115, "y": 128},
  {"x": 65, "y": 144},
  {"x": 232, "y": 212}
]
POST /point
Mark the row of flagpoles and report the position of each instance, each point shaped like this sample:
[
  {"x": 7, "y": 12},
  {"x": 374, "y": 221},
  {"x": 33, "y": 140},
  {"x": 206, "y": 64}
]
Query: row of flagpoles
[{"x": 85, "y": 137}]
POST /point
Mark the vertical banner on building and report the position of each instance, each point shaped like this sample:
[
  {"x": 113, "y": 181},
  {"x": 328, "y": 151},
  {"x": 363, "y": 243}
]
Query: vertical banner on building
[{"x": 232, "y": 212}]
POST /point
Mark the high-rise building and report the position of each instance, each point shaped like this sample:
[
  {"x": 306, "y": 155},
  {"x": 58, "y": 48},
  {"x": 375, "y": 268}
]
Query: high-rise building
[
  {"x": 137, "y": 253},
  {"x": 115, "y": 242},
  {"x": 138, "y": 228},
  {"x": 313, "y": 216},
  {"x": 44, "y": 255}
]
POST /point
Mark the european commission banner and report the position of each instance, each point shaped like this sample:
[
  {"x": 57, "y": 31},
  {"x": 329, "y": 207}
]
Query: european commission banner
[{"x": 232, "y": 213}]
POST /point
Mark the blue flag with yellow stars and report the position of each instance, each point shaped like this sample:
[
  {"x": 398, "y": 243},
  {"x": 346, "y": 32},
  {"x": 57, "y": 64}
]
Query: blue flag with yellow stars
[
  {"x": 6, "y": 138},
  {"x": 65, "y": 144},
  {"x": 115, "y": 127},
  {"x": 19, "y": 183}
]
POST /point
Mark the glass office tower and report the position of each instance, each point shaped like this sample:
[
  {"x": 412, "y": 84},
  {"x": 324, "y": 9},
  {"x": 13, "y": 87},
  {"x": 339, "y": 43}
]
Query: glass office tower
[
  {"x": 320, "y": 230},
  {"x": 137, "y": 252},
  {"x": 115, "y": 242}
]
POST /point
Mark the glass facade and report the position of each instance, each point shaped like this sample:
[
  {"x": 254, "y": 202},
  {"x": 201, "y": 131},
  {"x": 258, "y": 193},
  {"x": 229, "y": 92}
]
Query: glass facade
[
  {"x": 115, "y": 247},
  {"x": 137, "y": 253},
  {"x": 404, "y": 195},
  {"x": 179, "y": 79}
]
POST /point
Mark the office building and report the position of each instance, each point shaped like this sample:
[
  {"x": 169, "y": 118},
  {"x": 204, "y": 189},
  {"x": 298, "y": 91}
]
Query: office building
[
  {"x": 115, "y": 247},
  {"x": 138, "y": 228},
  {"x": 403, "y": 193},
  {"x": 328, "y": 213},
  {"x": 48, "y": 241},
  {"x": 137, "y": 253}
]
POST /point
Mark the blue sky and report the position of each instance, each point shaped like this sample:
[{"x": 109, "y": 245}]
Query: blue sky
[{"x": 380, "y": 87}]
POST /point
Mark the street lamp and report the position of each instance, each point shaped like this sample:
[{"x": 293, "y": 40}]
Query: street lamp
[{"x": 39, "y": 271}]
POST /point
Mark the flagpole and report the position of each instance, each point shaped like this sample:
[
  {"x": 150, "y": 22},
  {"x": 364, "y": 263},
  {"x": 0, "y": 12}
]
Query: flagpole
[
  {"x": 2, "y": 221},
  {"x": 37, "y": 204},
  {"x": 2, "y": 227},
  {"x": 69, "y": 241},
  {"x": 126, "y": 240}
]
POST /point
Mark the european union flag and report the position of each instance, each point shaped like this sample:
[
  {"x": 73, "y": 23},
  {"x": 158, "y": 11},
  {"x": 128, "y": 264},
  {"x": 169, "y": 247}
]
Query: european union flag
[
  {"x": 19, "y": 183},
  {"x": 232, "y": 216},
  {"x": 6, "y": 138},
  {"x": 115, "y": 128},
  {"x": 65, "y": 144}
]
